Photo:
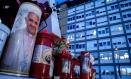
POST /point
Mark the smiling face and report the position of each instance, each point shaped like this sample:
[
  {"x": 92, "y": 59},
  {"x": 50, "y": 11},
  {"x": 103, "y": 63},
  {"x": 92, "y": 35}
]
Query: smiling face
[{"x": 32, "y": 23}]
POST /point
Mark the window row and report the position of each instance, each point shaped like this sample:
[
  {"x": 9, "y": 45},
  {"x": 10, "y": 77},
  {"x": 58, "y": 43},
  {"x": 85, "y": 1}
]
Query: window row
[
  {"x": 90, "y": 22},
  {"x": 126, "y": 15},
  {"x": 119, "y": 42},
  {"x": 123, "y": 5},
  {"x": 129, "y": 40},
  {"x": 80, "y": 16},
  {"x": 70, "y": 27},
  {"x": 102, "y": 32},
  {"x": 115, "y": 29},
  {"x": 77, "y": 26},
  {"x": 77, "y": 46},
  {"x": 108, "y": 72},
  {"x": 105, "y": 43},
  {"x": 114, "y": 17},
  {"x": 128, "y": 26},
  {"x": 103, "y": 20},
  {"x": 116, "y": 6},
  {"x": 120, "y": 56}
]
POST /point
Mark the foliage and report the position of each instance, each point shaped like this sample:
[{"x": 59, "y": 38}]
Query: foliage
[{"x": 58, "y": 45}]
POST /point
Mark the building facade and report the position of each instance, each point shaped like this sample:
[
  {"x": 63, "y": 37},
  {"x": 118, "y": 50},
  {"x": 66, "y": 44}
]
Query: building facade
[
  {"x": 62, "y": 16},
  {"x": 102, "y": 27}
]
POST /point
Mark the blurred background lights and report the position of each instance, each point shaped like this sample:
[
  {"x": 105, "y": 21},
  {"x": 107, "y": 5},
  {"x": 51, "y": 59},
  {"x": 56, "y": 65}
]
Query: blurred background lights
[{"x": 0, "y": 20}]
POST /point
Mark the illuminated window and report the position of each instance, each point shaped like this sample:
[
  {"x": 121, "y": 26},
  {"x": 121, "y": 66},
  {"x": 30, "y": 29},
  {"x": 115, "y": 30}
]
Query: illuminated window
[
  {"x": 121, "y": 56},
  {"x": 70, "y": 37},
  {"x": 106, "y": 57},
  {"x": 107, "y": 72},
  {"x": 124, "y": 72},
  {"x": 108, "y": 0}
]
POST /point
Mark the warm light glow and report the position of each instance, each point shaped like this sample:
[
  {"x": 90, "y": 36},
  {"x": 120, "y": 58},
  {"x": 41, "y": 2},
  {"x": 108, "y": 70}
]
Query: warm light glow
[
  {"x": 128, "y": 70},
  {"x": 107, "y": 0},
  {"x": 106, "y": 58},
  {"x": 116, "y": 56},
  {"x": 80, "y": 35},
  {"x": 122, "y": 57},
  {"x": 6, "y": 6},
  {"x": 109, "y": 58},
  {"x": 123, "y": 71},
  {"x": 126, "y": 55},
  {"x": 0, "y": 20},
  {"x": 101, "y": 54},
  {"x": 120, "y": 28},
  {"x": 106, "y": 70},
  {"x": 70, "y": 37},
  {"x": 94, "y": 33},
  {"x": 116, "y": 49}
]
